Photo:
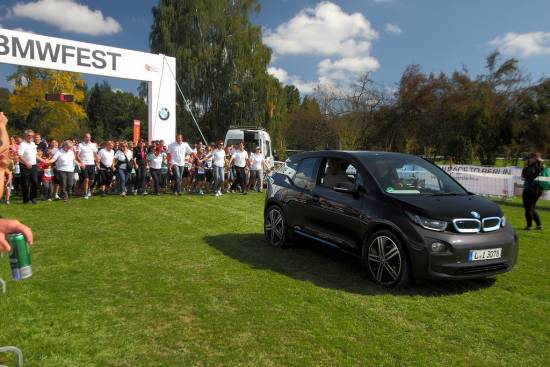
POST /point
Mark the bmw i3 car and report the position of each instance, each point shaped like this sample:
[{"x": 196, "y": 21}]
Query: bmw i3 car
[{"x": 403, "y": 215}]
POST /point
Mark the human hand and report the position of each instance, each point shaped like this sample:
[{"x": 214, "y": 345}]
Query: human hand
[{"x": 8, "y": 226}]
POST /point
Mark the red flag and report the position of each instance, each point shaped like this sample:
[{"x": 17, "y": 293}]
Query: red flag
[{"x": 137, "y": 126}]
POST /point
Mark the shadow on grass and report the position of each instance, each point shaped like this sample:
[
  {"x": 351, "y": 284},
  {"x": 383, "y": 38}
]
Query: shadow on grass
[{"x": 325, "y": 267}]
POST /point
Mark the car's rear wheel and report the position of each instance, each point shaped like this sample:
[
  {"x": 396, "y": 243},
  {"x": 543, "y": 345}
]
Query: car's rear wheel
[
  {"x": 386, "y": 261},
  {"x": 275, "y": 229}
]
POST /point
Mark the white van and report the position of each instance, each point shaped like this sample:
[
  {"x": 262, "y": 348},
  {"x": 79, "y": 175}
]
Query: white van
[{"x": 252, "y": 137}]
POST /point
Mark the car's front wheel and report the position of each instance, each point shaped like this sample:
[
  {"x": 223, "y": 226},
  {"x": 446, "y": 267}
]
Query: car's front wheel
[
  {"x": 385, "y": 259},
  {"x": 275, "y": 229}
]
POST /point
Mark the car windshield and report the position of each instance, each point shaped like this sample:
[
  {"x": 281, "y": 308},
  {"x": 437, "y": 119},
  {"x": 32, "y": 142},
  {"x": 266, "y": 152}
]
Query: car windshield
[{"x": 411, "y": 176}]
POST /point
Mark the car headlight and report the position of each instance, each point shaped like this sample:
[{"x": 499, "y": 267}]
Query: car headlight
[
  {"x": 503, "y": 221},
  {"x": 428, "y": 223}
]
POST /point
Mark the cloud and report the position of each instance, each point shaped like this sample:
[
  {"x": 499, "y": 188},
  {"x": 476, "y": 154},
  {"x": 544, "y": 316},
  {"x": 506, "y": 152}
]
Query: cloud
[
  {"x": 323, "y": 30},
  {"x": 331, "y": 72},
  {"x": 344, "y": 40},
  {"x": 66, "y": 15},
  {"x": 285, "y": 78},
  {"x": 393, "y": 28},
  {"x": 523, "y": 44}
]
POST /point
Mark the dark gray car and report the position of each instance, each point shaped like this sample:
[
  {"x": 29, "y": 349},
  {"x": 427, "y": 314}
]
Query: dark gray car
[{"x": 404, "y": 216}]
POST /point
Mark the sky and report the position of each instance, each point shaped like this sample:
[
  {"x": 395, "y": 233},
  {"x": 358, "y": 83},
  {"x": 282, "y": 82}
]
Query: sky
[{"x": 324, "y": 42}]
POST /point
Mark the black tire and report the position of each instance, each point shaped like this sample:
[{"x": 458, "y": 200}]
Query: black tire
[
  {"x": 392, "y": 268},
  {"x": 275, "y": 228}
]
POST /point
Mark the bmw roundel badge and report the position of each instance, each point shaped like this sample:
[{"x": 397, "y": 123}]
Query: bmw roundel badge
[
  {"x": 475, "y": 214},
  {"x": 164, "y": 114}
]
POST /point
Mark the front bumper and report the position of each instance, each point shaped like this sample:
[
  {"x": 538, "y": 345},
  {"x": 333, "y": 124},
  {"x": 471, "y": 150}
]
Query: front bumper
[{"x": 454, "y": 263}]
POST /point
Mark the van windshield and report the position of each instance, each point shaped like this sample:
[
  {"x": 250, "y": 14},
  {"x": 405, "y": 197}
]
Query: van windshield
[
  {"x": 249, "y": 145},
  {"x": 412, "y": 176}
]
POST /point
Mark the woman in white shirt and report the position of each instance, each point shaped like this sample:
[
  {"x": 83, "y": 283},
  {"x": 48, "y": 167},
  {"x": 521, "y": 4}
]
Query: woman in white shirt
[
  {"x": 65, "y": 162},
  {"x": 218, "y": 164},
  {"x": 257, "y": 165},
  {"x": 156, "y": 158},
  {"x": 123, "y": 158}
]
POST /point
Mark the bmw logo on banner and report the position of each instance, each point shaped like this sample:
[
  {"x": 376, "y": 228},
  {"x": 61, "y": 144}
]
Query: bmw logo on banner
[{"x": 164, "y": 114}]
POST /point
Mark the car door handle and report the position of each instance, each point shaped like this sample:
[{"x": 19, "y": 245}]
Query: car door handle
[{"x": 316, "y": 198}]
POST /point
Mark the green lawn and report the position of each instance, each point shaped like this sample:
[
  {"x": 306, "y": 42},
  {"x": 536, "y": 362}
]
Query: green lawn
[{"x": 182, "y": 281}]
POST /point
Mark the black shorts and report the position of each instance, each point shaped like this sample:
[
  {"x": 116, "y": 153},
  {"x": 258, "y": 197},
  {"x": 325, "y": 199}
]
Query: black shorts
[
  {"x": 88, "y": 172},
  {"x": 186, "y": 172},
  {"x": 208, "y": 174}
]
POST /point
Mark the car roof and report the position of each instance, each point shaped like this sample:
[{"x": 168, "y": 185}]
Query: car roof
[{"x": 358, "y": 154}]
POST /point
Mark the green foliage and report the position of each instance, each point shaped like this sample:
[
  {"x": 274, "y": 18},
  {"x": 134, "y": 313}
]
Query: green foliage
[
  {"x": 496, "y": 114},
  {"x": 111, "y": 113},
  {"x": 221, "y": 62}
]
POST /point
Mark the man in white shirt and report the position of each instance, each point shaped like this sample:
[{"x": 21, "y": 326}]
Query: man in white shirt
[
  {"x": 29, "y": 172},
  {"x": 86, "y": 154},
  {"x": 239, "y": 159},
  {"x": 177, "y": 152}
]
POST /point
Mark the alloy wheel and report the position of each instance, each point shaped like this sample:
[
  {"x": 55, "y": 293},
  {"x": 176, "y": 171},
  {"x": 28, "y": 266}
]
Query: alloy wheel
[
  {"x": 275, "y": 227},
  {"x": 384, "y": 260}
]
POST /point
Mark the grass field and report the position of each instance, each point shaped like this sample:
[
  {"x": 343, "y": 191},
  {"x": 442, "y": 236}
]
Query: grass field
[{"x": 184, "y": 281}]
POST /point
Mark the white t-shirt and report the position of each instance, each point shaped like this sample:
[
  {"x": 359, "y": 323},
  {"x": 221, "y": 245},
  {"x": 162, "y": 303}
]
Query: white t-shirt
[
  {"x": 28, "y": 152},
  {"x": 106, "y": 157},
  {"x": 155, "y": 161},
  {"x": 86, "y": 153},
  {"x": 218, "y": 158},
  {"x": 64, "y": 160},
  {"x": 178, "y": 152},
  {"x": 256, "y": 161},
  {"x": 121, "y": 156},
  {"x": 239, "y": 158}
]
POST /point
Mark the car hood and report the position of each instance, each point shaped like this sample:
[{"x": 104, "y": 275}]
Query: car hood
[{"x": 449, "y": 207}]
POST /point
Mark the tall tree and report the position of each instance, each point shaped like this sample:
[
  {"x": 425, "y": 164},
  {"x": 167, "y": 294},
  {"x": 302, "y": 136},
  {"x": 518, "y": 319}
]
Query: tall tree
[{"x": 221, "y": 61}]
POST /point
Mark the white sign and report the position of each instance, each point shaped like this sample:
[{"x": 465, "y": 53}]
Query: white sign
[{"x": 27, "y": 49}]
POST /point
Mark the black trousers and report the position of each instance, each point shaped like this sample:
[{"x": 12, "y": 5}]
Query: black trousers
[
  {"x": 530, "y": 198},
  {"x": 156, "y": 174},
  {"x": 29, "y": 182},
  {"x": 141, "y": 178},
  {"x": 241, "y": 179}
]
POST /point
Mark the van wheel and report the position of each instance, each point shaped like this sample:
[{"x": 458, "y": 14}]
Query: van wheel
[
  {"x": 386, "y": 261},
  {"x": 275, "y": 226}
]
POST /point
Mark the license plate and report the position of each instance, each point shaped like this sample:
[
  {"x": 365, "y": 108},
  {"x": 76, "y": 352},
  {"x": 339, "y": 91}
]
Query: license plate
[{"x": 477, "y": 255}]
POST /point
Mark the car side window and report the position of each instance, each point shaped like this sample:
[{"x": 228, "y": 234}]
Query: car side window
[
  {"x": 340, "y": 173},
  {"x": 305, "y": 174}
]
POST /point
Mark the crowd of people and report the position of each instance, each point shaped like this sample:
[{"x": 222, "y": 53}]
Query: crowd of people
[{"x": 54, "y": 170}]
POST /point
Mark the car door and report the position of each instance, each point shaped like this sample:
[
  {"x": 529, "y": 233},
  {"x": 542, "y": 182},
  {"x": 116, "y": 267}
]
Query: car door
[
  {"x": 336, "y": 215},
  {"x": 299, "y": 198}
]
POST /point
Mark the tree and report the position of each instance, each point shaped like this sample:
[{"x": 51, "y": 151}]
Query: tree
[
  {"x": 111, "y": 114},
  {"x": 221, "y": 61},
  {"x": 59, "y": 120}
]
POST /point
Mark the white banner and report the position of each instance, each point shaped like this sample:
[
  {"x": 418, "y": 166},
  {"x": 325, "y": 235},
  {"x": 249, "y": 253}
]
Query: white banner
[
  {"x": 28, "y": 49},
  {"x": 498, "y": 181}
]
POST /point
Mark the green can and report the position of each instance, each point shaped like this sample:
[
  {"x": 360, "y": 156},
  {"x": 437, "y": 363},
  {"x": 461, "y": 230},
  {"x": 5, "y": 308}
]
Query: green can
[{"x": 20, "y": 257}]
